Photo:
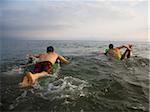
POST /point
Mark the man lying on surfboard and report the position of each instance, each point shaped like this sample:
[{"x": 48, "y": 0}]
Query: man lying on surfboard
[
  {"x": 42, "y": 67},
  {"x": 116, "y": 53}
]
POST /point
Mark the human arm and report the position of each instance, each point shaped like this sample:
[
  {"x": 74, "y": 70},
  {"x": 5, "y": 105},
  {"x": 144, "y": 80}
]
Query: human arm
[
  {"x": 125, "y": 46},
  {"x": 34, "y": 55},
  {"x": 61, "y": 58}
]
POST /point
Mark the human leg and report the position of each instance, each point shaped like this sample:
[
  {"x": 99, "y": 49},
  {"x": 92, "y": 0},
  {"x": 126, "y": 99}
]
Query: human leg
[
  {"x": 127, "y": 53},
  {"x": 41, "y": 69},
  {"x": 36, "y": 76},
  {"x": 29, "y": 79}
]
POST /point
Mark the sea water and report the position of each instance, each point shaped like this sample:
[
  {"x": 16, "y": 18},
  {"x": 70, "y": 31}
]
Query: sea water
[{"x": 92, "y": 82}]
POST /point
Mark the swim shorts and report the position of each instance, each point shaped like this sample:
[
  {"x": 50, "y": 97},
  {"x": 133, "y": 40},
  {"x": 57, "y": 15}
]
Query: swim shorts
[{"x": 42, "y": 66}]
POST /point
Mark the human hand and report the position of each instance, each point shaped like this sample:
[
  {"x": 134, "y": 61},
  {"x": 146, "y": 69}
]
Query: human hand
[{"x": 29, "y": 56}]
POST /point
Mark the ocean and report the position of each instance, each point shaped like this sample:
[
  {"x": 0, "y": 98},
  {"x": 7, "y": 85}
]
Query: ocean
[{"x": 92, "y": 82}]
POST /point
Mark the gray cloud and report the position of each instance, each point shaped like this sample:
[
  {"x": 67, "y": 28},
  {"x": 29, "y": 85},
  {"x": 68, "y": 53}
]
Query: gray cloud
[
  {"x": 76, "y": 16},
  {"x": 40, "y": 27}
]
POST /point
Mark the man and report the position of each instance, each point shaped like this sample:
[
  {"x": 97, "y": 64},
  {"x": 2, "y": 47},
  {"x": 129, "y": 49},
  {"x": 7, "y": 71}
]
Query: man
[
  {"x": 43, "y": 66},
  {"x": 115, "y": 51}
]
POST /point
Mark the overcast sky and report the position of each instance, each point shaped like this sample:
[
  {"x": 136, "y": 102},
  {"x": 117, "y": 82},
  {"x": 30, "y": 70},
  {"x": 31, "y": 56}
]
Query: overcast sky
[{"x": 124, "y": 20}]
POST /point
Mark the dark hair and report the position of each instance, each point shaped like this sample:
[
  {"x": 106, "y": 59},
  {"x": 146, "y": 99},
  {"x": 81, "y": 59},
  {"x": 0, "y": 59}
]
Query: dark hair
[
  {"x": 50, "y": 49},
  {"x": 111, "y": 46}
]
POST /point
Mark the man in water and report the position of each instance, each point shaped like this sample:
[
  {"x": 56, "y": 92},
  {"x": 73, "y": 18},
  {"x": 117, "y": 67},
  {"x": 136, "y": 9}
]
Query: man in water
[
  {"x": 115, "y": 51},
  {"x": 43, "y": 67}
]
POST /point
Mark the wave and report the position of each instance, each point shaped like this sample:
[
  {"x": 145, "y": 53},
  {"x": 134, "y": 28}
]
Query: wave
[{"x": 89, "y": 83}]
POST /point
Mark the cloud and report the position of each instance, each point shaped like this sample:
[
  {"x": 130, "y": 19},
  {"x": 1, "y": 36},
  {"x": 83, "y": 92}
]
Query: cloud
[{"x": 67, "y": 19}]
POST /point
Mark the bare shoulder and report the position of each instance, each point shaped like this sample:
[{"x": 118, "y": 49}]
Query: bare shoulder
[
  {"x": 55, "y": 54},
  {"x": 116, "y": 48},
  {"x": 41, "y": 54}
]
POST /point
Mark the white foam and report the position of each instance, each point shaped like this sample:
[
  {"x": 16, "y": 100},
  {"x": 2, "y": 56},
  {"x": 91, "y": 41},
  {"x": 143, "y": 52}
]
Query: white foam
[
  {"x": 67, "y": 87},
  {"x": 67, "y": 84},
  {"x": 64, "y": 88},
  {"x": 14, "y": 71}
]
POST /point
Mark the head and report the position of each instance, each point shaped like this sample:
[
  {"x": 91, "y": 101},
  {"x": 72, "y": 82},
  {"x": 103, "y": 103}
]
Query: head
[
  {"x": 50, "y": 49},
  {"x": 111, "y": 46}
]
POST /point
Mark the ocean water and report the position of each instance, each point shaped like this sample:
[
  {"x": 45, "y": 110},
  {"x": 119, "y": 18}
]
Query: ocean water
[{"x": 92, "y": 82}]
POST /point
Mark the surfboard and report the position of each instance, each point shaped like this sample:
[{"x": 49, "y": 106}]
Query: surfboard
[
  {"x": 43, "y": 80},
  {"x": 47, "y": 79}
]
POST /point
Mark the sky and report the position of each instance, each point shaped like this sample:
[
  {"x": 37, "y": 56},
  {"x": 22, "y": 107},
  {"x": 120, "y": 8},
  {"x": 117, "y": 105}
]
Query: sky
[{"x": 103, "y": 20}]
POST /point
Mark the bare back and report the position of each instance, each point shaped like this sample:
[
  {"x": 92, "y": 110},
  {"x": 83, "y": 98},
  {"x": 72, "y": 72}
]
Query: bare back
[
  {"x": 51, "y": 56},
  {"x": 115, "y": 52}
]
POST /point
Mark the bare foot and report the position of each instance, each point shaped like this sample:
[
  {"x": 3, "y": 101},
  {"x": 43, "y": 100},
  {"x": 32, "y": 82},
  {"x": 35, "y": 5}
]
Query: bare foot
[
  {"x": 25, "y": 82},
  {"x": 31, "y": 78},
  {"x": 22, "y": 85}
]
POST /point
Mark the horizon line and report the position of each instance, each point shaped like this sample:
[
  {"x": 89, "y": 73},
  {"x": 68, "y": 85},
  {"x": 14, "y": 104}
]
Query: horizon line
[{"x": 74, "y": 40}]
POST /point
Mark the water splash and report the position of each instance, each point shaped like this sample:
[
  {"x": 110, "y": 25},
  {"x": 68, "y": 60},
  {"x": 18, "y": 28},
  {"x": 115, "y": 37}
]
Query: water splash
[{"x": 68, "y": 87}]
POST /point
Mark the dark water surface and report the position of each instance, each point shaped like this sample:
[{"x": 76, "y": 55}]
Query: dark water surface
[{"x": 92, "y": 82}]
